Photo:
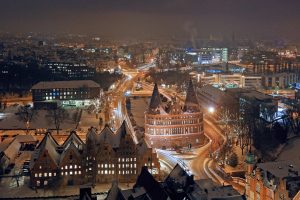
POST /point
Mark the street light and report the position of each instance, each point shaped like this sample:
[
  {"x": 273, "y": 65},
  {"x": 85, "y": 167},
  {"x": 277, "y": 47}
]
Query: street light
[{"x": 211, "y": 109}]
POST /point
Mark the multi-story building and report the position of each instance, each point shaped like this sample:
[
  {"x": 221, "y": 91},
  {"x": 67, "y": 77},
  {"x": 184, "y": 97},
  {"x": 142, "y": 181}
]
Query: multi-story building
[
  {"x": 231, "y": 80},
  {"x": 71, "y": 70},
  {"x": 171, "y": 125},
  {"x": 208, "y": 55},
  {"x": 66, "y": 93},
  {"x": 239, "y": 100},
  {"x": 279, "y": 80},
  {"x": 103, "y": 158},
  {"x": 272, "y": 180}
]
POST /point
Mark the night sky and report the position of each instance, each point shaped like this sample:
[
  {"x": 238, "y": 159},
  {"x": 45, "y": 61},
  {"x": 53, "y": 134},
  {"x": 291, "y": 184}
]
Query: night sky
[{"x": 197, "y": 18}]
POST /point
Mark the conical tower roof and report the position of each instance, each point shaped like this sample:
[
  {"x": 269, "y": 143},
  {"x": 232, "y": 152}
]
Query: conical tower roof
[
  {"x": 191, "y": 102},
  {"x": 155, "y": 99}
]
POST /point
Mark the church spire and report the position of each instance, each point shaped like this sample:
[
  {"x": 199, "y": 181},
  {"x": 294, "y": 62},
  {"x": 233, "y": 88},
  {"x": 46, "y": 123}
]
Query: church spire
[
  {"x": 155, "y": 99},
  {"x": 191, "y": 102}
]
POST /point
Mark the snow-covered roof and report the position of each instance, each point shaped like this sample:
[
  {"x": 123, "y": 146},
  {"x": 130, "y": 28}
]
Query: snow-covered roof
[
  {"x": 12, "y": 149},
  {"x": 48, "y": 144},
  {"x": 280, "y": 169},
  {"x": 66, "y": 84},
  {"x": 70, "y": 148},
  {"x": 73, "y": 138}
]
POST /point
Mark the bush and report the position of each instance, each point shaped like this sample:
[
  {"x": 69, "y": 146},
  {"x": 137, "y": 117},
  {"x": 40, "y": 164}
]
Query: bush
[{"x": 233, "y": 160}]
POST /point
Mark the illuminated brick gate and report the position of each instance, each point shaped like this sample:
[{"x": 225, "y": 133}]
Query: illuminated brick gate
[{"x": 172, "y": 126}]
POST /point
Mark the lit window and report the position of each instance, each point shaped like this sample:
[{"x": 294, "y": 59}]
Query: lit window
[
  {"x": 50, "y": 174},
  {"x": 40, "y": 167},
  {"x": 62, "y": 168},
  {"x": 45, "y": 174},
  {"x": 66, "y": 173},
  {"x": 113, "y": 172},
  {"x": 90, "y": 169},
  {"x": 71, "y": 172},
  {"x": 71, "y": 166},
  {"x": 35, "y": 175},
  {"x": 75, "y": 166},
  {"x": 105, "y": 172},
  {"x": 66, "y": 167},
  {"x": 75, "y": 172},
  {"x": 79, "y": 172},
  {"x": 40, "y": 174},
  {"x": 112, "y": 165},
  {"x": 105, "y": 165},
  {"x": 62, "y": 173},
  {"x": 54, "y": 174}
]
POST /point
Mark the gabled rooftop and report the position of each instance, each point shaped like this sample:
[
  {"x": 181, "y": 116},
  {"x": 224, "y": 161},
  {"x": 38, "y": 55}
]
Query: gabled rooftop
[
  {"x": 48, "y": 144},
  {"x": 153, "y": 188},
  {"x": 73, "y": 138}
]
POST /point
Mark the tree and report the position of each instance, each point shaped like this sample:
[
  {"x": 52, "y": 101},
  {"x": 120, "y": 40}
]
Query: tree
[
  {"x": 97, "y": 104},
  {"x": 26, "y": 114},
  {"x": 241, "y": 131},
  {"x": 293, "y": 117},
  {"x": 279, "y": 132},
  {"x": 57, "y": 116},
  {"x": 227, "y": 118}
]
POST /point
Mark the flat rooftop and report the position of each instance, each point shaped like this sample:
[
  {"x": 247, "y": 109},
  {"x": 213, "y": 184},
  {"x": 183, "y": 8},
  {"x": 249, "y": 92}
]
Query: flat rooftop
[
  {"x": 280, "y": 169},
  {"x": 65, "y": 84}
]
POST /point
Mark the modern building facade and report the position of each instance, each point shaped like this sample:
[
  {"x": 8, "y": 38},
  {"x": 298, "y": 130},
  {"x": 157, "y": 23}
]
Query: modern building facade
[
  {"x": 71, "y": 70},
  {"x": 103, "y": 158},
  {"x": 65, "y": 93},
  {"x": 171, "y": 125}
]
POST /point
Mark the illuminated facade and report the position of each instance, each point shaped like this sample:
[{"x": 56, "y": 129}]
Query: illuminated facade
[
  {"x": 66, "y": 93},
  {"x": 103, "y": 158},
  {"x": 272, "y": 180},
  {"x": 170, "y": 126}
]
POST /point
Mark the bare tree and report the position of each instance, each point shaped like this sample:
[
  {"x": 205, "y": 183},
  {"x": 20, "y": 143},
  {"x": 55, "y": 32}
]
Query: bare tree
[
  {"x": 241, "y": 131},
  {"x": 26, "y": 114},
  {"x": 227, "y": 118},
  {"x": 97, "y": 104},
  {"x": 293, "y": 118},
  {"x": 57, "y": 116}
]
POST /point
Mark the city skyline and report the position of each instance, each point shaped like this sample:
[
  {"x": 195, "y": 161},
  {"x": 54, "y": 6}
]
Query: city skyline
[{"x": 189, "y": 19}]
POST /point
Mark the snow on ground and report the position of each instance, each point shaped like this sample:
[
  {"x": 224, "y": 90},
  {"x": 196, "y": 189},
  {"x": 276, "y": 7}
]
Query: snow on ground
[
  {"x": 291, "y": 151},
  {"x": 41, "y": 120},
  {"x": 138, "y": 108}
]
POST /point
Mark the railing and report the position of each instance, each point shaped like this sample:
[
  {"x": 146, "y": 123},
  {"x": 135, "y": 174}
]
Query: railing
[{"x": 172, "y": 160}]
